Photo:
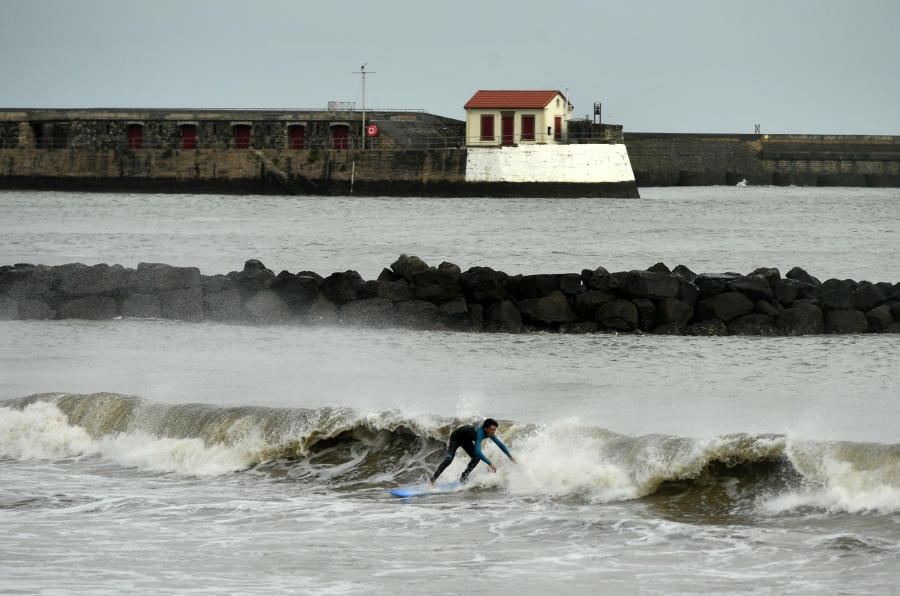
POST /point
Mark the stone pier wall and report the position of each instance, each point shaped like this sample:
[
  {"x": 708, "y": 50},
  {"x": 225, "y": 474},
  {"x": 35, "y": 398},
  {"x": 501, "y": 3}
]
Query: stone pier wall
[{"x": 414, "y": 295}]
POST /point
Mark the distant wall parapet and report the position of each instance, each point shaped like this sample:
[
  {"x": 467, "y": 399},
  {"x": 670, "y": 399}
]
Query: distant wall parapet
[{"x": 662, "y": 159}]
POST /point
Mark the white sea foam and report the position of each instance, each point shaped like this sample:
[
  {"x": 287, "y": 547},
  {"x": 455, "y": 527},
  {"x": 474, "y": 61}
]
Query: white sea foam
[{"x": 42, "y": 431}]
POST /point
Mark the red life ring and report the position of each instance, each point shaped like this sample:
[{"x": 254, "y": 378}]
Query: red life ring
[{"x": 371, "y": 130}]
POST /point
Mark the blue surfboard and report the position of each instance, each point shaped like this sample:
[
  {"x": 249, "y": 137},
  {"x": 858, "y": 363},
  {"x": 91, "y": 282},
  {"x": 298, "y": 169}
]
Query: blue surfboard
[{"x": 422, "y": 490}]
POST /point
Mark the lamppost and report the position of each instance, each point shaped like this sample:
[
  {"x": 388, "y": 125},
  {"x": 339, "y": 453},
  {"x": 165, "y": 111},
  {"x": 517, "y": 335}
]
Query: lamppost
[{"x": 362, "y": 71}]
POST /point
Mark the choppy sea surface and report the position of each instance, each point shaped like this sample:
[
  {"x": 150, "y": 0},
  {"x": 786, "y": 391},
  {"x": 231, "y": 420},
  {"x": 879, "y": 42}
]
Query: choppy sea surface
[{"x": 149, "y": 456}]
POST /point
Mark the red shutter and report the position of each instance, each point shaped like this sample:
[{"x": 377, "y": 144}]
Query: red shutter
[
  {"x": 487, "y": 127},
  {"x": 242, "y": 136},
  {"x": 507, "y": 126},
  {"x": 298, "y": 137},
  {"x": 135, "y": 136},
  {"x": 340, "y": 136},
  {"x": 528, "y": 128},
  {"x": 188, "y": 136}
]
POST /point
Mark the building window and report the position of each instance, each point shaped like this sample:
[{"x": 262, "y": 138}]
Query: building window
[
  {"x": 487, "y": 127},
  {"x": 528, "y": 127}
]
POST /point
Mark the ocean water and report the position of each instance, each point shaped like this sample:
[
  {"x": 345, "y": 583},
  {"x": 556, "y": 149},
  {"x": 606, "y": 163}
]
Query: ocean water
[{"x": 149, "y": 456}]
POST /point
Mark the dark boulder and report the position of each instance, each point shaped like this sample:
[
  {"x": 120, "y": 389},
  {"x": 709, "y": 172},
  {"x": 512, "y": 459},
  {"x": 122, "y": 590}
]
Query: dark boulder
[
  {"x": 673, "y": 311},
  {"x": 549, "y": 310},
  {"x": 80, "y": 280},
  {"x": 341, "y": 288},
  {"x": 659, "y": 268},
  {"x": 522, "y": 287},
  {"x": 687, "y": 291},
  {"x": 801, "y": 275},
  {"x": 225, "y": 304},
  {"x": 838, "y": 284},
  {"x": 254, "y": 278},
  {"x": 618, "y": 284},
  {"x": 503, "y": 316},
  {"x": 755, "y": 287},
  {"x": 398, "y": 291},
  {"x": 32, "y": 309},
  {"x": 388, "y": 276},
  {"x": 726, "y": 307},
  {"x": 836, "y": 299},
  {"x": 455, "y": 309},
  {"x": 765, "y": 307},
  {"x": 787, "y": 291},
  {"x": 436, "y": 284},
  {"x": 669, "y": 329},
  {"x": 92, "y": 308},
  {"x": 587, "y": 304},
  {"x": 771, "y": 274},
  {"x": 647, "y": 317},
  {"x": 684, "y": 272},
  {"x": 297, "y": 291},
  {"x": 570, "y": 283},
  {"x": 141, "y": 306},
  {"x": 9, "y": 309},
  {"x": 652, "y": 285},
  {"x": 181, "y": 305},
  {"x": 867, "y": 296},
  {"x": 407, "y": 266},
  {"x": 598, "y": 279},
  {"x": 484, "y": 285},
  {"x": 618, "y": 315},
  {"x": 754, "y": 325},
  {"x": 801, "y": 320},
  {"x": 713, "y": 284},
  {"x": 845, "y": 321},
  {"x": 880, "y": 318}
]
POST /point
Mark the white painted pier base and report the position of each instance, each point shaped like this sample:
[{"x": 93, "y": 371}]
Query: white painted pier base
[{"x": 580, "y": 164}]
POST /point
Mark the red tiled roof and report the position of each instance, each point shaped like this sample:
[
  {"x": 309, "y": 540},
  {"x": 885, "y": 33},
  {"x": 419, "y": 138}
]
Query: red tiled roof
[{"x": 511, "y": 99}]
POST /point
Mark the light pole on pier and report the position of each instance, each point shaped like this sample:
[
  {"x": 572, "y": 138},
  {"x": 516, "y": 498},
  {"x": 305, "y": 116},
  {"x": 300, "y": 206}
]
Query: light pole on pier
[{"x": 362, "y": 71}]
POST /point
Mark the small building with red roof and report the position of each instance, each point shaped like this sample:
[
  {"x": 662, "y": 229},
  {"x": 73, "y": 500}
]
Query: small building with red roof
[{"x": 508, "y": 118}]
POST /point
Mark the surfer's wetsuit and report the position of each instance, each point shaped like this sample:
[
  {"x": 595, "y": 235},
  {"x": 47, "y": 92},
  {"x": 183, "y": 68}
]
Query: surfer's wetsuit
[{"x": 469, "y": 438}]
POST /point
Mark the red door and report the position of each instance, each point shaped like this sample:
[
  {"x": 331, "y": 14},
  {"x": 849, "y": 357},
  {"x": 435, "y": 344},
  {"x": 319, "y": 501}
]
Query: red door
[
  {"x": 135, "y": 136},
  {"x": 340, "y": 136},
  {"x": 297, "y": 137},
  {"x": 242, "y": 136},
  {"x": 528, "y": 128},
  {"x": 507, "y": 124},
  {"x": 188, "y": 136},
  {"x": 557, "y": 128}
]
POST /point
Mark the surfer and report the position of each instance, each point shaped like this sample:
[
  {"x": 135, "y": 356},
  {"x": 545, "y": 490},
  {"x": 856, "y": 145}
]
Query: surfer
[{"x": 469, "y": 438}]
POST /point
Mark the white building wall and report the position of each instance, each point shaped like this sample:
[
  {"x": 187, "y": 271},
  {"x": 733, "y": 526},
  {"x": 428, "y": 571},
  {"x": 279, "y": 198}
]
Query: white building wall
[{"x": 549, "y": 163}]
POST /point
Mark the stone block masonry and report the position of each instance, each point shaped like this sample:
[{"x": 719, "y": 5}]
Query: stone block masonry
[{"x": 412, "y": 294}]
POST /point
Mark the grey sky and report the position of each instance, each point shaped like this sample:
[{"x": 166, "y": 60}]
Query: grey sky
[{"x": 792, "y": 66}]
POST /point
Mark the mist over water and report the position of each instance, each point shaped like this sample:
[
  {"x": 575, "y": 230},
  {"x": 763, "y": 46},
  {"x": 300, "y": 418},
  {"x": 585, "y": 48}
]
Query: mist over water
[{"x": 149, "y": 456}]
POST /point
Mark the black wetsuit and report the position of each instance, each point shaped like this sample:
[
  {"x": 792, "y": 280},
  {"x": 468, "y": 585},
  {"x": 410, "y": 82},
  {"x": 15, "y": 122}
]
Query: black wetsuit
[{"x": 469, "y": 438}]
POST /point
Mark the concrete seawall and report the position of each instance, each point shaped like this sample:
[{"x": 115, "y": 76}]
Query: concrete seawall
[
  {"x": 411, "y": 172},
  {"x": 411, "y": 294}
]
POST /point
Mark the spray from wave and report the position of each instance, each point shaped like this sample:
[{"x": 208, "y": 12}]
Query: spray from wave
[{"x": 348, "y": 449}]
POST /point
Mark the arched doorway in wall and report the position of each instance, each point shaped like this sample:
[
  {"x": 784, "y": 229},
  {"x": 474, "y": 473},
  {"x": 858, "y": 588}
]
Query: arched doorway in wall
[
  {"x": 241, "y": 136},
  {"x": 340, "y": 136},
  {"x": 135, "y": 136},
  {"x": 297, "y": 136},
  {"x": 188, "y": 136}
]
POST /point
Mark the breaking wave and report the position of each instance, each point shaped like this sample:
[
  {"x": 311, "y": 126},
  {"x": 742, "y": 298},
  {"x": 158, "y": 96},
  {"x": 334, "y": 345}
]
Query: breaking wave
[{"x": 347, "y": 449}]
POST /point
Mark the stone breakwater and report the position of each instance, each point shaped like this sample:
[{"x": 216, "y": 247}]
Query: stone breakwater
[{"x": 412, "y": 294}]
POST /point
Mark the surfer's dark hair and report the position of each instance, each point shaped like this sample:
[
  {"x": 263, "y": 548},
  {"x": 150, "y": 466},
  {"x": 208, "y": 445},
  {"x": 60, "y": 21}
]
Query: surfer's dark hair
[{"x": 490, "y": 422}]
